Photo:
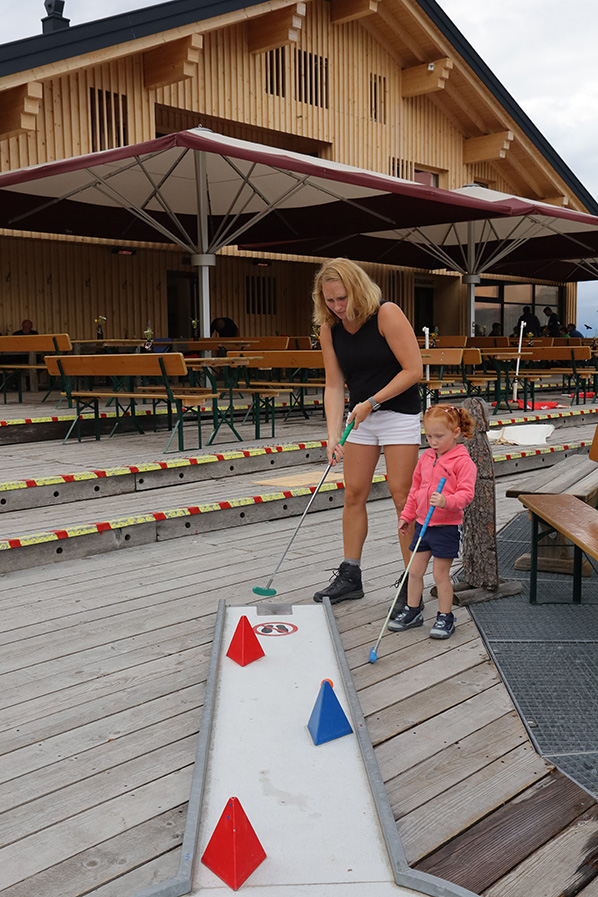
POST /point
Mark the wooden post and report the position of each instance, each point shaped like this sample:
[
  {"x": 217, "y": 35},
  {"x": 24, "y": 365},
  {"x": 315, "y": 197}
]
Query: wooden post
[
  {"x": 480, "y": 555},
  {"x": 480, "y": 560}
]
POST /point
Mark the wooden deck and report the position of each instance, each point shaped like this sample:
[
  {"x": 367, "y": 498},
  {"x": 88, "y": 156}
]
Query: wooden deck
[{"x": 102, "y": 673}]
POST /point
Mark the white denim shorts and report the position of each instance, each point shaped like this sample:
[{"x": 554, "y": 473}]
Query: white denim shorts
[{"x": 388, "y": 428}]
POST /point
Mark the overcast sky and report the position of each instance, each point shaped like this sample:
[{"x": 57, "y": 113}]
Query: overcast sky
[{"x": 541, "y": 50}]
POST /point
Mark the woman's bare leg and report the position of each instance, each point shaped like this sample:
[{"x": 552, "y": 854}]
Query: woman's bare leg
[
  {"x": 400, "y": 464},
  {"x": 359, "y": 463}
]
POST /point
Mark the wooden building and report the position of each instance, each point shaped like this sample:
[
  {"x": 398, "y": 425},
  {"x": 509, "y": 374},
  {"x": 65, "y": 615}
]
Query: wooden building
[{"x": 387, "y": 85}]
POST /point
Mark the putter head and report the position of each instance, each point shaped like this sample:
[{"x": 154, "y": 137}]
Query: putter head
[
  {"x": 373, "y": 656},
  {"x": 265, "y": 593}
]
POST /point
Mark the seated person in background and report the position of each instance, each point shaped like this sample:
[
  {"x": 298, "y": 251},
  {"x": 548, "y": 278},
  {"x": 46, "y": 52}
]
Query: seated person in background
[
  {"x": 496, "y": 330},
  {"x": 26, "y": 329},
  {"x": 224, "y": 327},
  {"x": 573, "y": 331}
]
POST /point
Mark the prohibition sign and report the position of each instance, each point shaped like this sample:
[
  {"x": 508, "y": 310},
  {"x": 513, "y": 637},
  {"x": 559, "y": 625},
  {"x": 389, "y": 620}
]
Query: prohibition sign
[{"x": 275, "y": 628}]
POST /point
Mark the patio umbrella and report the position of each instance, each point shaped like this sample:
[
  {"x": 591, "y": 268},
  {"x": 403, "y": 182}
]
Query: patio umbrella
[
  {"x": 535, "y": 240},
  {"x": 203, "y": 191}
]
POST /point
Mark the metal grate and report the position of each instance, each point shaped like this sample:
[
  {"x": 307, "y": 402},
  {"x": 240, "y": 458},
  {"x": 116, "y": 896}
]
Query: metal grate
[{"x": 547, "y": 654}]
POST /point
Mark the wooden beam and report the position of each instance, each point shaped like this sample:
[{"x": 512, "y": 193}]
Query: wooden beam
[
  {"x": 280, "y": 27},
  {"x": 173, "y": 61},
  {"x": 427, "y": 78},
  {"x": 342, "y": 11},
  {"x": 556, "y": 200},
  {"x": 19, "y": 108},
  {"x": 487, "y": 148}
]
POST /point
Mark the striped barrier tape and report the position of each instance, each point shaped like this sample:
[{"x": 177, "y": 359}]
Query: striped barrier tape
[
  {"x": 550, "y": 449},
  {"x": 173, "y": 464},
  {"x": 156, "y": 516}
]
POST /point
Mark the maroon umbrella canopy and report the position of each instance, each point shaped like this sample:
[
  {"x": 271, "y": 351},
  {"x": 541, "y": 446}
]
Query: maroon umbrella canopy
[
  {"x": 204, "y": 191},
  {"x": 534, "y": 240}
]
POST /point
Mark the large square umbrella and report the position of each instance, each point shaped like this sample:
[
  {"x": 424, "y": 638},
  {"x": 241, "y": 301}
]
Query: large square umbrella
[
  {"x": 203, "y": 191},
  {"x": 533, "y": 240}
]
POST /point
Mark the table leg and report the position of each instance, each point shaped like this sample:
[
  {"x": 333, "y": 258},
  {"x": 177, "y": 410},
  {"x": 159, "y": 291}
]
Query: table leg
[
  {"x": 577, "y": 553},
  {"x": 533, "y": 572}
]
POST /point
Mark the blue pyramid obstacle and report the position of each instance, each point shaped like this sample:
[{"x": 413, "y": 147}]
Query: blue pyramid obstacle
[{"x": 327, "y": 720}]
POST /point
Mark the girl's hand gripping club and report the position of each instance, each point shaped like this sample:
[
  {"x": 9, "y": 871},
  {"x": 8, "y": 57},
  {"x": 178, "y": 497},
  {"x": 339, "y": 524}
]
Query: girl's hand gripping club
[
  {"x": 374, "y": 651},
  {"x": 267, "y": 591}
]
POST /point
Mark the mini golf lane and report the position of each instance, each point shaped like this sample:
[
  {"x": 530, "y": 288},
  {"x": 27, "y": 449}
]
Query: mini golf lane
[{"x": 319, "y": 811}]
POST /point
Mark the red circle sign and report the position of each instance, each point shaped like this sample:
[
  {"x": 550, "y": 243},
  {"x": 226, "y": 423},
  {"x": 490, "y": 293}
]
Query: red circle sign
[{"x": 275, "y": 628}]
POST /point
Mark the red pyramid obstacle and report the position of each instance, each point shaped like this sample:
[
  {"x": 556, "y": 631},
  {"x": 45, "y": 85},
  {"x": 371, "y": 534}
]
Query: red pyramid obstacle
[
  {"x": 244, "y": 647},
  {"x": 234, "y": 850}
]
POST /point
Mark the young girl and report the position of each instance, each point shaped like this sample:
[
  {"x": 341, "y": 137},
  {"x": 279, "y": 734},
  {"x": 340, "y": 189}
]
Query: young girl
[{"x": 443, "y": 424}]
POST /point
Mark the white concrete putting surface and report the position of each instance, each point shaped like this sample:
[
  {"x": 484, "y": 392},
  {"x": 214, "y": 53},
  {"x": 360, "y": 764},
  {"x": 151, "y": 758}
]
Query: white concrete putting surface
[{"x": 310, "y": 806}]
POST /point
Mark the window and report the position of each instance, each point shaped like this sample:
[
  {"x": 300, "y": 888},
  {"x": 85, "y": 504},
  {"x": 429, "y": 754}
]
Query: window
[
  {"x": 429, "y": 178},
  {"x": 276, "y": 73},
  {"x": 522, "y": 293},
  {"x": 311, "y": 78},
  {"x": 109, "y": 121},
  {"x": 504, "y": 304},
  {"x": 260, "y": 295},
  {"x": 378, "y": 99}
]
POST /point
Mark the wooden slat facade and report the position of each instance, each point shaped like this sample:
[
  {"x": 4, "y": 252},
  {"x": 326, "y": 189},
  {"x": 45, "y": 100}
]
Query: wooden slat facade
[{"x": 335, "y": 91}]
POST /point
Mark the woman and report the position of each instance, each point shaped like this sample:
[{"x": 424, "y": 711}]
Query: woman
[{"x": 371, "y": 346}]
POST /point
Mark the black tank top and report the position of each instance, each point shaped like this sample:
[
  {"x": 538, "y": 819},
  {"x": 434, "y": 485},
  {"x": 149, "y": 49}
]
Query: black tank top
[{"x": 368, "y": 363}]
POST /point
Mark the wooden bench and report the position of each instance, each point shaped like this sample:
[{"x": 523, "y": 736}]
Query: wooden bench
[
  {"x": 476, "y": 379},
  {"x": 434, "y": 380},
  {"x": 443, "y": 342},
  {"x": 573, "y": 519},
  {"x": 299, "y": 362},
  {"x": 566, "y": 362},
  {"x": 576, "y": 476},
  {"x": 123, "y": 371},
  {"x": 487, "y": 342},
  {"x": 11, "y": 369}
]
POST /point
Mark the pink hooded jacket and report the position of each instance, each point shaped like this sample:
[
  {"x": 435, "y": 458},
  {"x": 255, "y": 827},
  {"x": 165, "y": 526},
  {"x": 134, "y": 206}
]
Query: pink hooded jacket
[{"x": 460, "y": 472}]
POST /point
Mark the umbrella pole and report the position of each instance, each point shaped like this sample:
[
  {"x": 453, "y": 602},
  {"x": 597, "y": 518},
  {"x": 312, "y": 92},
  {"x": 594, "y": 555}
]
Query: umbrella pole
[
  {"x": 427, "y": 346},
  {"x": 203, "y": 260}
]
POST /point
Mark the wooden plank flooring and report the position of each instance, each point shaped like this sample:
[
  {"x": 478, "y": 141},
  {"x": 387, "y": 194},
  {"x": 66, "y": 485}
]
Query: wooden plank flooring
[{"x": 102, "y": 675}]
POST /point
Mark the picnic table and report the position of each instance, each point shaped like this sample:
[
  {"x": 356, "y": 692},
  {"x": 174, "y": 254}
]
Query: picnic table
[
  {"x": 262, "y": 397},
  {"x": 576, "y": 476},
  {"x": 503, "y": 360}
]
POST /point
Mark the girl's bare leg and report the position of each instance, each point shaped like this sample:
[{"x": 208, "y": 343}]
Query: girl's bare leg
[{"x": 442, "y": 578}]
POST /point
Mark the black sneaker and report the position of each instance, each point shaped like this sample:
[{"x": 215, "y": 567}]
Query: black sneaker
[
  {"x": 443, "y": 627},
  {"x": 411, "y": 618},
  {"x": 345, "y": 583},
  {"x": 401, "y": 602}
]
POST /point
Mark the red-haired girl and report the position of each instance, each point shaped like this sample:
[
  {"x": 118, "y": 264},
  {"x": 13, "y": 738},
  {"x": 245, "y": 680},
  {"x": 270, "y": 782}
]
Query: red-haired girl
[{"x": 443, "y": 424}]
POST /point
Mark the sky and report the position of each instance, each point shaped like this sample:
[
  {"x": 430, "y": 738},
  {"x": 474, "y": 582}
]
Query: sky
[{"x": 541, "y": 50}]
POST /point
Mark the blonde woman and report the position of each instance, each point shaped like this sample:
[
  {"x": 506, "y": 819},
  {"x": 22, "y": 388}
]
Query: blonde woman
[{"x": 369, "y": 345}]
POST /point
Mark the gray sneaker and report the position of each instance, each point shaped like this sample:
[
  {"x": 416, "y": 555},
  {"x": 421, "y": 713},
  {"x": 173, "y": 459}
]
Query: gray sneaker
[
  {"x": 345, "y": 584},
  {"x": 443, "y": 627},
  {"x": 411, "y": 618}
]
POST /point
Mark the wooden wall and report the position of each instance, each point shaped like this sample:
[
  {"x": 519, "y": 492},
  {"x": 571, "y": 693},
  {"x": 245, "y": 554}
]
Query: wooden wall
[{"x": 64, "y": 286}]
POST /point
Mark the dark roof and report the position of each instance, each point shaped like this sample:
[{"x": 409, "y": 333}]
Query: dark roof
[
  {"x": 18, "y": 56},
  {"x": 42, "y": 49},
  {"x": 477, "y": 64}
]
